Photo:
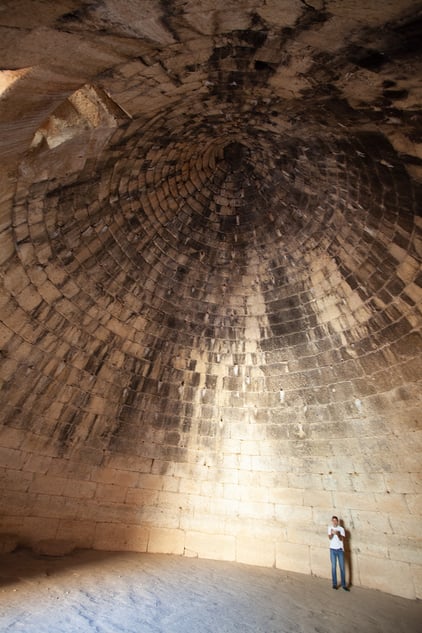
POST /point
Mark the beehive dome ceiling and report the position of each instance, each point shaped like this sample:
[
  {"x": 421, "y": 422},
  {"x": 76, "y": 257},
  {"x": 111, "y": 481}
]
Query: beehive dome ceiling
[{"x": 210, "y": 239}]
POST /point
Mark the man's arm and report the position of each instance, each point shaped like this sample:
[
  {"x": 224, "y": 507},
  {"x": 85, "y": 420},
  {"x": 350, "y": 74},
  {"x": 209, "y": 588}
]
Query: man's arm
[{"x": 338, "y": 531}]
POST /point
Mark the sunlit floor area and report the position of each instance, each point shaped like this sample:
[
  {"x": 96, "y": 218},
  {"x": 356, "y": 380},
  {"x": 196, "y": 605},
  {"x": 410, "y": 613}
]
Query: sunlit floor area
[{"x": 145, "y": 593}]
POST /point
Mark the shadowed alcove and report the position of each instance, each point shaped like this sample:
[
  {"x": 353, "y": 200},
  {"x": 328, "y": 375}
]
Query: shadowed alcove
[{"x": 210, "y": 249}]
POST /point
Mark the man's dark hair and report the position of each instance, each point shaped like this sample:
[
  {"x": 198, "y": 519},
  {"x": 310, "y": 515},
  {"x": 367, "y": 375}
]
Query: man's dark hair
[{"x": 334, "y": 517}]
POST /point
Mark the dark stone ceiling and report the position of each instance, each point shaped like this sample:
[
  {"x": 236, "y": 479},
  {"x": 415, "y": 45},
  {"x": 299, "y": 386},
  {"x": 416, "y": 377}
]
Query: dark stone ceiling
[
  {"x": 210, "y": 280},
  {"x": 191, "y": 184}
]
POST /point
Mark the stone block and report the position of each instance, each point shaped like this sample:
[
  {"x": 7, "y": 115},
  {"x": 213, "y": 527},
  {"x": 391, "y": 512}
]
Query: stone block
[
  {"x": 414, "y": 503},
  {"x": 79, "y": 489},
  {"x": 36, "y": 528},
  {"x": 214, "y": 546},
  {"x": 81, "y": 533},
  {"x": 5, "y": 335},
  {"x": 391, "y": 503},
  {"x": 269, "y": 530},
  {"x": 168, "y": 499},
  {"x": 171, "y": 484},
  {"x": 11, "y": 437},
  {"x": 364, "y": 543},
  {"x": 287, "y": 496},
  {"x": 406, "y": 550},
  {"x": 45, "y": 484},
  {"x": 293, "y": 557},
  {"x": 250, "y": 447},
  {"x": 306, "y": 534},
  {"x": 227, "y": 476},
  {"x": 371, "y": 522},
  {"x": 400, "y": 482},
  {"x": 230, "y": 462},
  {"x": 110, "y": 492},
  {"x": 293, "y": 514},
  {"x": 53, "y": 547},
  {"x": 12, "y": 458},
  {"x": 353, "y": 500},
  {"x": 10, "y": 524},
  {"x": 16, "y": 279},
  {"x": 37, "y": 463},
  {"x": 201, "y": 521},
  {"x": 320, "y": 561},
  {"x": 165, "y": 541},
  {"x": 49, "y": 292},
  {"x": 53, "y": 506},
  {"x": 337, "y": 481},
  {"x": 232, "y": 491},
  {"x": 304, "y": 480},
  {"x": 322, "y": 518},
  {"x": 318, "y": 499},
  {"x": 406, "y": 525},
  {"x": 68, "y": 469},
  {"x": 29, "y": 299},
  {"x": 269, "y": 463},
  {"x": 14, "y": 504},
  {"x": 140, "y": 497},
  {"x": 257, "y": 510},
  {"x": 7, "y": 245},
  {"x": 190, "y": 486},
  {"x": 387, "y": 575},
  {"x": 417, "y": 580},
  {"x": 245, "y": 464},
  {"x": 123, "y": 478},
  {"x": 130, "y": 462},
  {"x": 119, "y": 537},
  {"x": 152, "y": 482},
  {"x": 211, "y": 489},
  {"x": 253, "y": 551},
  {"x": 8, "y": 543},
  {"x": 15, "y": 480},
  {"x": 159, "y": 517}
]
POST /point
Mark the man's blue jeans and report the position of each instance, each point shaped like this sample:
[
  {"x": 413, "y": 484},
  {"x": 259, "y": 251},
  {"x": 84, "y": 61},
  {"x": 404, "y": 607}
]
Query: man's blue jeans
[{"x": 337, "y": 555}]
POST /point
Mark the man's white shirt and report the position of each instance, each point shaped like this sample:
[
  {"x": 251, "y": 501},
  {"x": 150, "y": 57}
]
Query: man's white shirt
[{"x": 335, "y": 542}]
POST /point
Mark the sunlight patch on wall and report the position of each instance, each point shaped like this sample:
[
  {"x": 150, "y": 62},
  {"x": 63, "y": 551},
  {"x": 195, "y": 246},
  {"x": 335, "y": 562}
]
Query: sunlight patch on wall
[
  {"x": 8, "y": 78},
  {"x": 86, "y": 109}
]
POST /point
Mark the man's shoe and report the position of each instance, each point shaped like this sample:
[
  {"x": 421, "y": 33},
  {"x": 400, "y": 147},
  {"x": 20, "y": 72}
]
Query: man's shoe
[
  {"x": 346, "y": 588},
  {"x": 334, "y": 587}
]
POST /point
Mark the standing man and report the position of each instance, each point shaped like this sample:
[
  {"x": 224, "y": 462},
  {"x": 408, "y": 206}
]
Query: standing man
[{"x": 336, "y": 534}]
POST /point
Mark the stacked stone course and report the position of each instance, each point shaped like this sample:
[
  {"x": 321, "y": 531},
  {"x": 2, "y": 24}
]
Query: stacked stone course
[{"x": 210, "y": 304}]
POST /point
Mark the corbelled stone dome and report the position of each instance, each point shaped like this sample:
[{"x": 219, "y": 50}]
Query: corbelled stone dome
[{"x": 211, "y": 279}]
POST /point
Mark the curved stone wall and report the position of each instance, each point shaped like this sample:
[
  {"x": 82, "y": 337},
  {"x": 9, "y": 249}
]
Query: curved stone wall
[{"x": 211, "y": 270}]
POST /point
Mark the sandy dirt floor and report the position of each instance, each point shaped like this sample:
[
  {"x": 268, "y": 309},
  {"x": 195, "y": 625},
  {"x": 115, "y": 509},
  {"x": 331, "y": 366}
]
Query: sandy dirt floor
[{"x": 106, "y": 592}]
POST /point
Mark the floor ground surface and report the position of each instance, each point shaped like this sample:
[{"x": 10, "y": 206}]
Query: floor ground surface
[{"x": 105, "y": 592}]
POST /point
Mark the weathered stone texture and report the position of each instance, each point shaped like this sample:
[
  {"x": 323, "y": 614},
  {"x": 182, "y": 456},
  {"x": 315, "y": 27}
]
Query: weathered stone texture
[{"x": 210, "y": 289}]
